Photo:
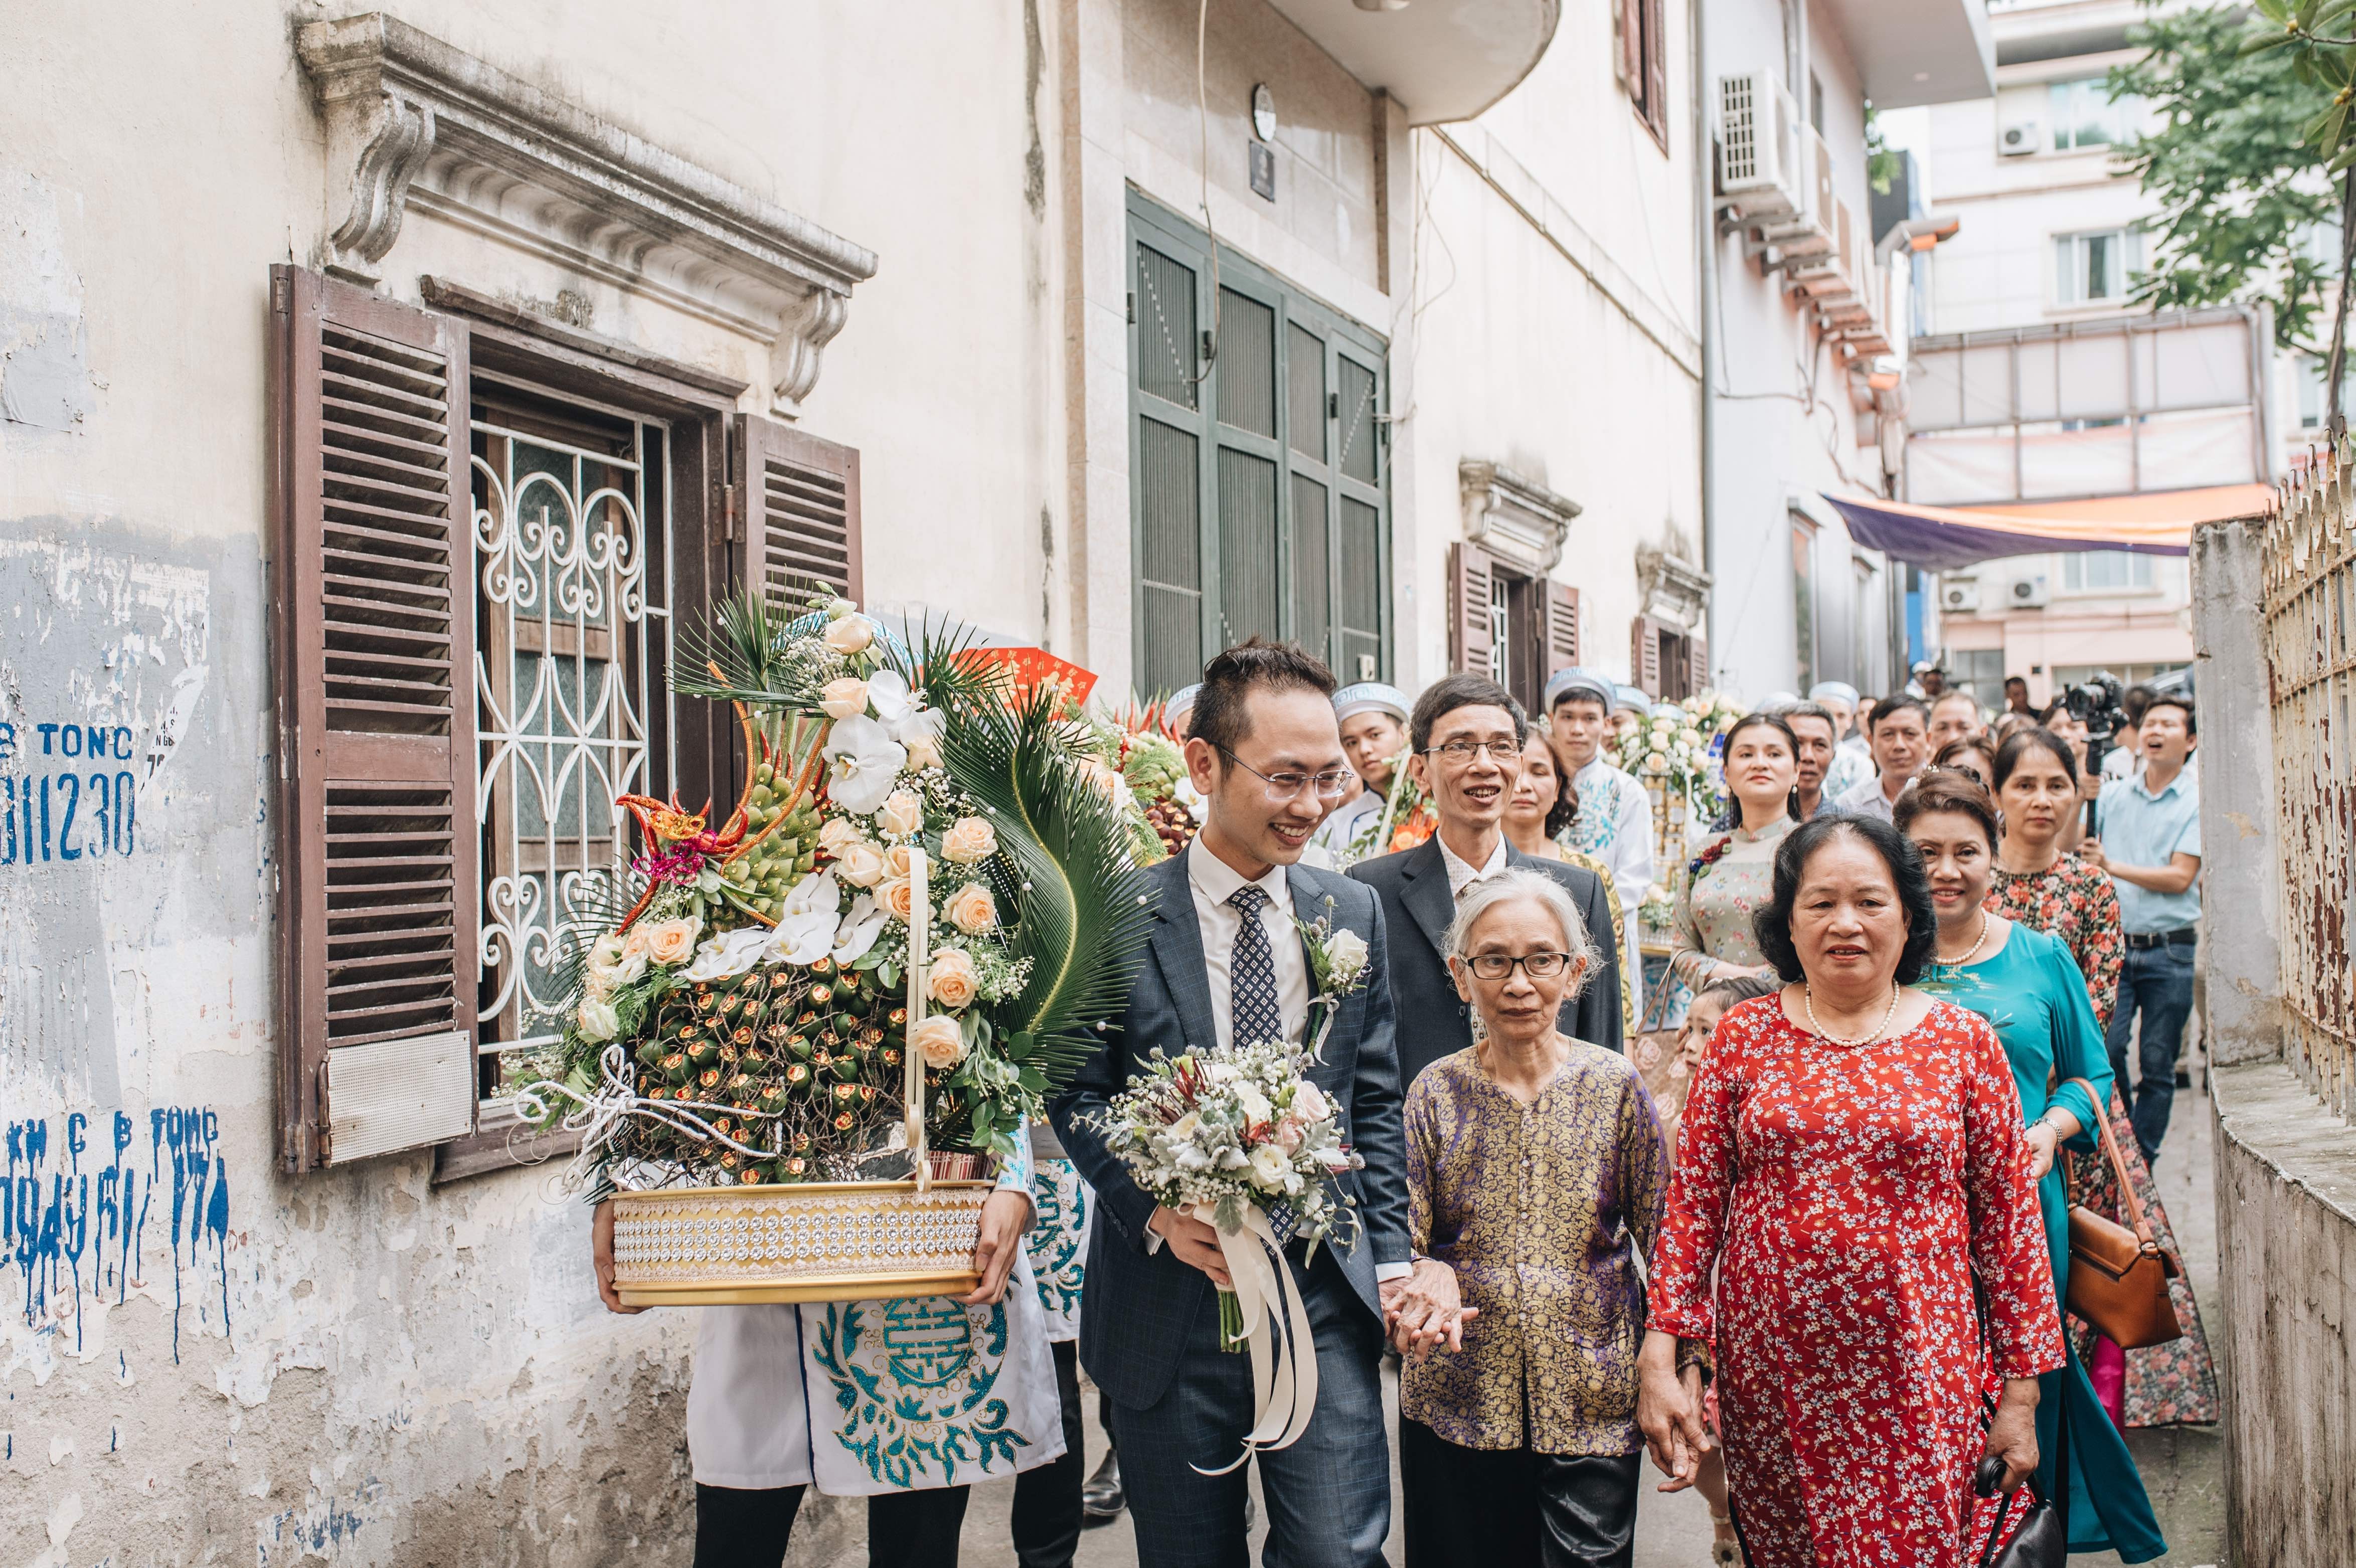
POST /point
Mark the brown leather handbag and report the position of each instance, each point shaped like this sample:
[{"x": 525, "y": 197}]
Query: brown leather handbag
[{"x": 2118, "y": 1277}]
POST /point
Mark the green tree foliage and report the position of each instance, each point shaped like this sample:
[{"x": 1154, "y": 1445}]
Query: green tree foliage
[{"x": 2237, "y": 166}]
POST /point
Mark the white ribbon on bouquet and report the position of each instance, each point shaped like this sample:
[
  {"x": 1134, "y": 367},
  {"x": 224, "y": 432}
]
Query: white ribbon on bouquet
[{"x": 1284, "y": 1376}]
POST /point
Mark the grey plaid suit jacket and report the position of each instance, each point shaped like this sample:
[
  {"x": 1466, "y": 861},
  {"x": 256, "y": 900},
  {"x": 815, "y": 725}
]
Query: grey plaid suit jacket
[{"x": 1139, "y": 1309}]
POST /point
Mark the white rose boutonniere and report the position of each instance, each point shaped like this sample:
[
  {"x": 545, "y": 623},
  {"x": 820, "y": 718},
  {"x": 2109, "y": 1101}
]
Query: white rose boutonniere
[{"x": 1338, "y": 963}]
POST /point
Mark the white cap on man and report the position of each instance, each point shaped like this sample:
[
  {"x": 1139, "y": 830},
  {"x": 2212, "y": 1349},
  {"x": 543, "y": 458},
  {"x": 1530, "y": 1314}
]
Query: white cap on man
[
  {"x": 1833, "y": 691},
  {"x": 1573, "y": 681},
  {"x": 1370, "y": 696},
  {"x": 1180, "y": 703}
]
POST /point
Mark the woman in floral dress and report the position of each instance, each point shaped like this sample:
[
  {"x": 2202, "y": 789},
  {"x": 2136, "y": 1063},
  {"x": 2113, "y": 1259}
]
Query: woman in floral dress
[
  {"x": 1851, "y": 1163},
  {"x": 2046, "y": 888},
  {"x": 1710, "y": 934}
]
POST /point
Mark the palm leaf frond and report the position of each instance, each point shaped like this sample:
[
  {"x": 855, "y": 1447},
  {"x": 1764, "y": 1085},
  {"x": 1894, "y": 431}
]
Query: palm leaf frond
[{"x": 1083, "y": 917}]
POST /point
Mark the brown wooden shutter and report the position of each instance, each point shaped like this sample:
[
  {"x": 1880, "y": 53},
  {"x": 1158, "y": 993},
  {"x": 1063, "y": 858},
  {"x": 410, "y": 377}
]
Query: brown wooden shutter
[
  {"x": 1644, "y": 656},
  {"x": 1697, "y": 664},
  {"x": 1561, "y": 629},
  {"x": 797, "y": 498},
  {"x": 374, "y": 631},
  {"x": 1469, "y": 572},
  {"x": 1628, "y": 60},
  {"x": 1655, "y": 69}
]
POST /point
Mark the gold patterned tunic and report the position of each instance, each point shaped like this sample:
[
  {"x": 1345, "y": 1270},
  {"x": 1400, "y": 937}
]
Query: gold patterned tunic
[{"x": 1535, "y": 1207}]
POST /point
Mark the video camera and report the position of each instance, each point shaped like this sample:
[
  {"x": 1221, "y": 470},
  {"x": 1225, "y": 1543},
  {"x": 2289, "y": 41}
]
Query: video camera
[{"x": 2096, "y": 706}]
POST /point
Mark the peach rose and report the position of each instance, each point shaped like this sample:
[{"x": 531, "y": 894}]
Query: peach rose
[
  {"x": 971, "y": 909},
  {"x": 903, "y": 814},
  {"x": 859, "y": 863},
  {"x": 671, "y": 942},
  {"x": 843, "y": 698},
  {"x": 952, "y": 980},
  {"x": 850, "y": 635},
  {"x": 897, "y": 897},
  {"x": 924, "y": 752},
  {"x": 898, "y": 860},
  {"x": 939, "y": 1040},
  {"x": 837, "y": 834},
  {"x": 970, "y": 839}
]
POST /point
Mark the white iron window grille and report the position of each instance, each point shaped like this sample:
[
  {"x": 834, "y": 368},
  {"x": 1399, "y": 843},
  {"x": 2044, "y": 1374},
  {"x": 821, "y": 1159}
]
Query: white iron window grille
[{"x": 572, "y": 643}]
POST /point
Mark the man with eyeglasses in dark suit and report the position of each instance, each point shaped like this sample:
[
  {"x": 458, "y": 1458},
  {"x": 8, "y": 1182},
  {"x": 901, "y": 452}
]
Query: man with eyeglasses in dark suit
[
  {"x": 1466, "y": 737},
  {"x": 1227, "y": 962}
]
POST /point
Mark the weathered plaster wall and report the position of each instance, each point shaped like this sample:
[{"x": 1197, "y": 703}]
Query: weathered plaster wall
[
  {"x": 2287, "y": 1253},
  {"x": 201, "y": 1360}
]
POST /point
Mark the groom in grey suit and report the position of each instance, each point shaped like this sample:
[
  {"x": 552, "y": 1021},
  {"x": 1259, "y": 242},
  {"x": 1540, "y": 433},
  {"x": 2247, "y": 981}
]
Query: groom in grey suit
[{"x": 1227, "y": 962}]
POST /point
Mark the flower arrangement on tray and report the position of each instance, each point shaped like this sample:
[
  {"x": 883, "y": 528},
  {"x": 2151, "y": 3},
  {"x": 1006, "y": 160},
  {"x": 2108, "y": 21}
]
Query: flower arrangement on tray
[
  {"x": 1135, "y": 743},
  {"x": 881, "y": 963},
  {"x": 1680, "y": 750}
]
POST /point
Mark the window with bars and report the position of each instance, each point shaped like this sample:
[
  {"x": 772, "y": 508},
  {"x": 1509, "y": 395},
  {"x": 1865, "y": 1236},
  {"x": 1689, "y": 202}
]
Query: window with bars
[
  {"x": 573, "y": 629},
  {"x": 476, "y": 542},
  {"x": 1258, "y": 484}
]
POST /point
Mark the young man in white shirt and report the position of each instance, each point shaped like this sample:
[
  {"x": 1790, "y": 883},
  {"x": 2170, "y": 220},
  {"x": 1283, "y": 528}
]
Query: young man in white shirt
[
  {"x": 1615, "y": 813},
  {"x": 1900, "y": 734},
  {"x": 1372, "y": 718}
]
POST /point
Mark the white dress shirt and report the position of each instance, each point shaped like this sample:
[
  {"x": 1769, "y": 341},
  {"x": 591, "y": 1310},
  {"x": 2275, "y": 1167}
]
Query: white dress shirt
[
  {"x": 1213, "y": 882},
  {"x": 1460, "y": 873}
]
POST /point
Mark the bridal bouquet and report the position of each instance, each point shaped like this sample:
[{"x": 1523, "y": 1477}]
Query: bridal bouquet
[{"x": 1236, "y": 1135}]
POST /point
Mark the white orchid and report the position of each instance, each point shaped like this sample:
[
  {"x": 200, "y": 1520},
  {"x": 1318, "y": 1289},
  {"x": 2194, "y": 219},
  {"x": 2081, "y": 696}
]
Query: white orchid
[
  {"x": 806, "y": 923},
  {"x": 728, "y": 955},
  {"x": 925, "y": 724},
  {"x": 861, "y": 927},
  {"x": 864, "y": 762},
  {"x": 887, "y": 693}
]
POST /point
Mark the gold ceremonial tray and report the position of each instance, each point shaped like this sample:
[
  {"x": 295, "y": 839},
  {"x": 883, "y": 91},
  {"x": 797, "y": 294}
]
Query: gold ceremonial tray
[{"x": 851, "y": 1241}]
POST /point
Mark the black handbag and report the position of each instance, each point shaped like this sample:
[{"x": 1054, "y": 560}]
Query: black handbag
[{"x": 2041, "y": 1540}]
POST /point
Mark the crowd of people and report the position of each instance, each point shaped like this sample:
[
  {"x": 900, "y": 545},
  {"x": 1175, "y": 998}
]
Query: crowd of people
[{"x": 1816, "y": 1269}]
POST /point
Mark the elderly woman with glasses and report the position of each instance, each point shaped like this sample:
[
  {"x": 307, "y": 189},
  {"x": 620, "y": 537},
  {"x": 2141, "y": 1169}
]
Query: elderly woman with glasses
[{"x": 1535, "y": 1172}]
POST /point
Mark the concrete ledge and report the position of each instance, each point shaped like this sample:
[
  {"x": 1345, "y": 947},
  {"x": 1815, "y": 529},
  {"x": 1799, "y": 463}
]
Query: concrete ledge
[{"x": 2286, "y": 1257}]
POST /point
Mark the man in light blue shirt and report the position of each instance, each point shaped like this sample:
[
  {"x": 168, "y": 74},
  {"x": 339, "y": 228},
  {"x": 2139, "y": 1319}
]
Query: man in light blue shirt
[{"x": 2150, "y": 843}]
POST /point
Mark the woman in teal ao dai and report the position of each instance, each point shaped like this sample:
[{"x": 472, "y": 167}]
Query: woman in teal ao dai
[{"x": 2028, "y": 987}]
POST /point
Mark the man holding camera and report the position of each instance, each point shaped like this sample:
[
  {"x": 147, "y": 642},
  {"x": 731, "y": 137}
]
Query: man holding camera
[{"x": 2150, "y": 843}]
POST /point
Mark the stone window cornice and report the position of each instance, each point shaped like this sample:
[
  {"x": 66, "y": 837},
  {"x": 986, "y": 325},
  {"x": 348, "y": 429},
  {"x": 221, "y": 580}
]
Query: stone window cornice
[
  {"x": 1517, "y": 520},
  {"x": 413, "y": 121}
]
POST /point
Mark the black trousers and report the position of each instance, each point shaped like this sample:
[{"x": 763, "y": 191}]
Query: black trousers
[
  {"x": 738, "y": 1529},
  {"x": 1512, "y": 1508}
]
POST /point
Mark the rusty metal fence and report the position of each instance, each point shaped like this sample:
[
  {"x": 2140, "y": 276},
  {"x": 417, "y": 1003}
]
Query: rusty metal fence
[{"x": 2309, "y": 612}]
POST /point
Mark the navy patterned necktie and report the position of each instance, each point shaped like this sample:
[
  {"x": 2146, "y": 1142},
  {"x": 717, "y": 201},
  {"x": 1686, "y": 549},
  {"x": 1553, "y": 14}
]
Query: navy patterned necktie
[
  {"x": 1251, "y": 973},
  {"x": 1252, "y": 1006}
]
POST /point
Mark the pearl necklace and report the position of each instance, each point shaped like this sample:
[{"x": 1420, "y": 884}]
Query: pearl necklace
[
  {"x": 1950, "y": 965},
  {"x": 1808, "y": 1002}
]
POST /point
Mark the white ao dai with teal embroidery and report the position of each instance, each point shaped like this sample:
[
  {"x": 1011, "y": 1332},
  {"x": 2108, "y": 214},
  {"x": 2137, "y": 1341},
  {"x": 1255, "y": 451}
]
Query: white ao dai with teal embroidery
[{"x": 863, "y": 1397}]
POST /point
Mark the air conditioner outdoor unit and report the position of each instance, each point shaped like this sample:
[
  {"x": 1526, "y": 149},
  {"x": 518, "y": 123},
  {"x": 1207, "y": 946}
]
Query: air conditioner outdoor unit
[
  {"x": 1758, "y": 170},
  {"x": 1959, "y": 596},
  {"x": 1810, "y": 231},
  {"x": 2028, "y": 593},
  {"x": 1832, "y": 278},
  {"x": 2020, "y": 138}
]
